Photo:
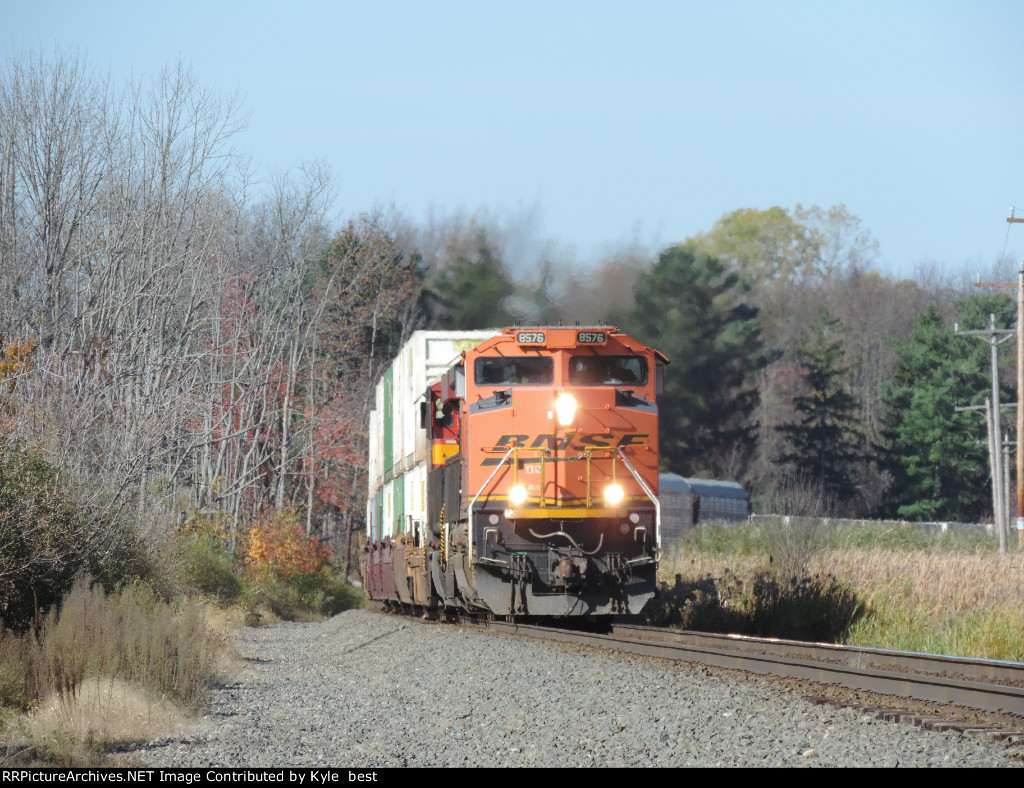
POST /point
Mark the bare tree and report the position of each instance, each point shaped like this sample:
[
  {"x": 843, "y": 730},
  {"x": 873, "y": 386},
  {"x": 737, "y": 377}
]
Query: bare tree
[{"x": 198, "y": 351}]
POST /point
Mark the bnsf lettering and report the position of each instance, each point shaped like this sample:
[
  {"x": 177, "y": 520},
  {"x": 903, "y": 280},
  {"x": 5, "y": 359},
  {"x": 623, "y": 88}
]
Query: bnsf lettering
[
  {"x": 550, "y": 442},
  {"x": 506, "y": 441},
  {"x": 593, "y": 440}
]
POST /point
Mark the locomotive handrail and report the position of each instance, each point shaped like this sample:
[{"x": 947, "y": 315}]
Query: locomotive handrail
[
  {"x": 541, "y": 450},
  {"x": 481, "y": 492},
  {"x": 647, "y": 490},
  {"x": 588, "y": 452},
  {"x": 588, "y": 456}
]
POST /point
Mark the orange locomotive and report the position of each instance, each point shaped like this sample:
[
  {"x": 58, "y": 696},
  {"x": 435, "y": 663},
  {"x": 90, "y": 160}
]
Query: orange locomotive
[{"x": 541, "y": 481}]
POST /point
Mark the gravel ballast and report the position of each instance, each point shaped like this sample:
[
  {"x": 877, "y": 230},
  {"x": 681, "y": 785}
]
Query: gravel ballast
[{"x": 368, "y": 690}]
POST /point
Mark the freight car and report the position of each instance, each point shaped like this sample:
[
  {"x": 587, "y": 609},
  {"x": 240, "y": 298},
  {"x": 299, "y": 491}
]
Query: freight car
[
  {"x": 515, "y": 473},
  {"x": 688, "y": 502}
]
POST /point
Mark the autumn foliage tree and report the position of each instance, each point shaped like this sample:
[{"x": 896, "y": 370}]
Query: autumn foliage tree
[
  {"x": 277, "y": 545},
  {"x": 367, "y": 295},
  {"x": 15, "y": 361}
]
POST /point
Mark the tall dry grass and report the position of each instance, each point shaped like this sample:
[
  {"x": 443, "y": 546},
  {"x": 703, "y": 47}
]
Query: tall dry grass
[
  {"x": 949, "y": 602},
  {"x": 939, "y": 592},
  {"x": 103, "y": 670},
  {"x": 935, "y": 582},
  {"x": 78, "y": 730}
]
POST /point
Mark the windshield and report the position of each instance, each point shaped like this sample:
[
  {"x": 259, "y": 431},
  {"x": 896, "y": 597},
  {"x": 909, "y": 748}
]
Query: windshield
[
  {"x": 607, "y": 370},
  {"x": 523, "y": 370}
]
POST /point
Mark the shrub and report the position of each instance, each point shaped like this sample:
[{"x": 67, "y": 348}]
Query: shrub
[
  {"x": 44, "y": 538},
  {"x": 211, "y": 568},
  {"x": 817, "y": 607},
  {"x": 302, "y": 596},
  {"x": 277, "y": 546},
  {"x": 327, "y": 593},
  {"x": 48, "y": 535},
  {"x": 275, "y": 568}
]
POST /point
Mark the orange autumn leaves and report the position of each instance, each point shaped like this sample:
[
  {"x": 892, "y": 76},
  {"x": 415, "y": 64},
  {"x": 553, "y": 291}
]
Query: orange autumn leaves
[
  {"x": 277, "y": 545},
  {"x": 14, "y": 359},
  {"x": 14, "y": 362}
]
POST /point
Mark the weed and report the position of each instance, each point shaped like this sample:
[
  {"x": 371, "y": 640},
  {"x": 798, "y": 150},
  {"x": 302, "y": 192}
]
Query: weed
[{"x": 104, "y": 669}]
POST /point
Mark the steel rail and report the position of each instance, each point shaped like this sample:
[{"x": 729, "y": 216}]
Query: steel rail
[
  {"x": 996, "y": 671},
  {"x": 768, "y": 657}
]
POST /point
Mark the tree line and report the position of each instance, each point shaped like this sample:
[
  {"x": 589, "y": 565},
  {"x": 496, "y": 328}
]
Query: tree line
[
  {"x": 180, "y": 338},
  {"x": 795, "y": 360}
]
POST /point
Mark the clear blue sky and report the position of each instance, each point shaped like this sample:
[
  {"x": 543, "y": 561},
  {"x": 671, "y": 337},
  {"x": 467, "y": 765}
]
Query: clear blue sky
[{"x": 611, "y": 121}]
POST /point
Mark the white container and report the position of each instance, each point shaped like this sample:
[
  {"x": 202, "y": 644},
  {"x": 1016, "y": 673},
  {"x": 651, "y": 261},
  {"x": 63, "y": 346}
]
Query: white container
[{"x": 400, "y": 393}]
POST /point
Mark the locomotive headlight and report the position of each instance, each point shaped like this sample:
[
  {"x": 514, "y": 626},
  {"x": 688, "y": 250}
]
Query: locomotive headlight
[
  {"x": 613, "y": 494},
  {"x": 517, "y": 495},
  {"x": 565, "y": 408}
]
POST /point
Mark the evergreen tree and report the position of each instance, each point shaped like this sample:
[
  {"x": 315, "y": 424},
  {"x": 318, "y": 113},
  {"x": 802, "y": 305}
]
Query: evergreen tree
[
  {"x": 824, "y": 442},
  {"x": 937, "y": 457},
  {"x": 688, "y": 307},
  {"x": 473, "y": 290}
]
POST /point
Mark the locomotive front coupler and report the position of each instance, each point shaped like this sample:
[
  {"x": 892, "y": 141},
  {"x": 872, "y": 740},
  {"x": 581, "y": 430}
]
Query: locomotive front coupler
[{"x": 566, "y": 567}]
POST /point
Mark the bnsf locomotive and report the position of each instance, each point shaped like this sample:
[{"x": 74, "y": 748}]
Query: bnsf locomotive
[{"x": 515, "y": 473}]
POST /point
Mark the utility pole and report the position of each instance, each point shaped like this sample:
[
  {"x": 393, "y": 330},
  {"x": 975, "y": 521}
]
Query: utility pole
[
  {"x": 998, "y": 498},
  {"x": 994, "y": 337},
  {"x": 1020, "y": 404},
  {"x": 998, "y": 520},
  {"x": 1011, "y": 219},
  {"x": 1020, "y": 394},
  {"x": 1006, "y": 469}
]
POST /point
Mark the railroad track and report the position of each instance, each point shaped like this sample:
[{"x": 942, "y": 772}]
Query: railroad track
[{"x": 992, "y": 686}]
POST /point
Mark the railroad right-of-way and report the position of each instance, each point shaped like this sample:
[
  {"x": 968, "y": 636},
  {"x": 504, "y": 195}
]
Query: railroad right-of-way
[
  {"x": 962, "y": 682},
  {"x": 369, "y": 690}
]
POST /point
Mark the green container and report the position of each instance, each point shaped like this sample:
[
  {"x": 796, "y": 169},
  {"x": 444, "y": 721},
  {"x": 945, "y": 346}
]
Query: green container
[{"x": 399, "y": 508}]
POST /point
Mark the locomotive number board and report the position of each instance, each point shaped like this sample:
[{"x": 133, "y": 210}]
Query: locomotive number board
[{"x": 582, "y": 337}]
